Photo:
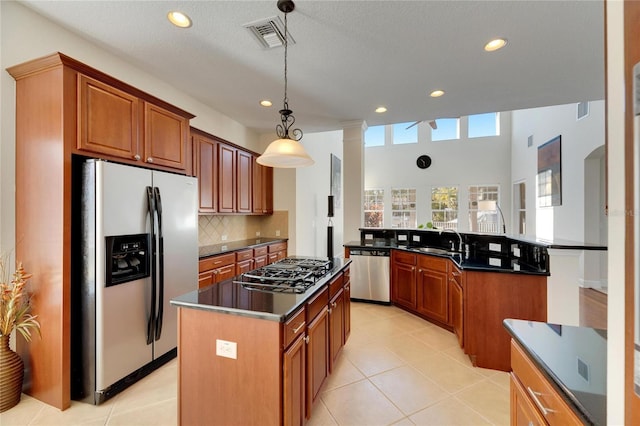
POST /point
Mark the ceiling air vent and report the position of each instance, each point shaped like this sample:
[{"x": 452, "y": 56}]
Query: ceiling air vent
[{"x": 269, "y": 32}]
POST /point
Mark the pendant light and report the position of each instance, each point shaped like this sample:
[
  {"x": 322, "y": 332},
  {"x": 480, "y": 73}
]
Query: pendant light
[{"x": 286, "y": 151}]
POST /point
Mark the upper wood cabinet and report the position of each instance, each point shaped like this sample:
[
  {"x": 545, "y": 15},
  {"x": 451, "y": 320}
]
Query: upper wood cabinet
[
  {"x": 229, "y": 178},
  {"x": 262, "y": 188},
  {"x": 206, "y": 169},
  {"x": 226, "y": 178},
  {"x": 99, "y": 107},
  {"x": 116, "y": 123},
  {"x": 244, "y": 182}
]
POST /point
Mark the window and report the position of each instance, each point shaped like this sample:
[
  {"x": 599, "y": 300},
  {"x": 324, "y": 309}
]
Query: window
[
  {"x": 545, "y": 185},
  {"x": 402, "y": 135},
  {"x": 484, "y": 217},
  {"x": 519, "y": 197},
  {"x": 447, "y": 129},
  {"x": 482, "y": 125},
  {"x": 444, "y": 207},
  {"x": 374, "y": 208},
  {"x": 403, "y": 208},
  {"x": 374, "y": 136}
]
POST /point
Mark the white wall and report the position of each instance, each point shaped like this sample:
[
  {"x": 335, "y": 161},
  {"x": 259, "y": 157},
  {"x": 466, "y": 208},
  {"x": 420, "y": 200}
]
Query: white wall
[
  {"x": 312, "y": 190},
  {"x": 26, "y": 35},
  {"x": 461, "y": 163},
  {"x": 579, "y": 139}
]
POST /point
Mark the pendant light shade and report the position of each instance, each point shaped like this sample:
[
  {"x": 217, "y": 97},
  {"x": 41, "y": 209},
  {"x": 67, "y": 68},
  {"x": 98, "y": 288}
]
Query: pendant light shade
[{"x": 286, "y": 151}]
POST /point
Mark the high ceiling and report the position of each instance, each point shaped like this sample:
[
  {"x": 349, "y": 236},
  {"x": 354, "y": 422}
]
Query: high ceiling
[{"x": 351, "y": 56}]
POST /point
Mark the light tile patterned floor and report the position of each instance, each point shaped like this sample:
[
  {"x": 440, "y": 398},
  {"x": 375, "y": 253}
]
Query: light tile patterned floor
[{"x": 395, "y": 369}]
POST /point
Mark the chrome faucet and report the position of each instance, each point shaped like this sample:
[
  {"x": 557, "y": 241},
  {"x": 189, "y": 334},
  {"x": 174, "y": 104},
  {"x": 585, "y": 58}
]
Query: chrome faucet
[{"x": 460, "y": 248}]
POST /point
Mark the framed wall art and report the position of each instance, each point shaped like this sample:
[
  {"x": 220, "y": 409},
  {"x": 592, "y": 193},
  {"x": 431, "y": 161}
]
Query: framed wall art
[{"x": 550, "y": 173}]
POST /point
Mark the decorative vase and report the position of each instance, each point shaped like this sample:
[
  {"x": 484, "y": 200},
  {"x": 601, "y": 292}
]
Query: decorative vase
[{"x": 11, "y": 375}]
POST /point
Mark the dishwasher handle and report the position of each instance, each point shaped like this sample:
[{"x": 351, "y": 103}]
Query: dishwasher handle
[{"x": 370, "y": 252}]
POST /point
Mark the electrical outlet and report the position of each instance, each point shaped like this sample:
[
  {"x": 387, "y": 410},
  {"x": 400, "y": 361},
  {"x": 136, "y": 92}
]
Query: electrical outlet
[
  {"x": 277, "y": 232},
  {"x": 226, "y": 349},
  {"x": 224, "y": 238},
  {"x": 257, "y": 233}
]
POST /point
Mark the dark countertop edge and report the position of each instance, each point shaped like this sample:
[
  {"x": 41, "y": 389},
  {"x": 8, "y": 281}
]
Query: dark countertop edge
[
  {"x": 461, "y": 266},
  {"x": 229, "y": 311},
  {"x": 564, "y": 392},
  {"x": 239, "y": 246},
  {"x": 265, "y": 315}
]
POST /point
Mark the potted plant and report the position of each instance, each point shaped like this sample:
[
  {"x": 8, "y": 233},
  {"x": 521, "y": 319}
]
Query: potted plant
[{"x": 14, "y": 315}]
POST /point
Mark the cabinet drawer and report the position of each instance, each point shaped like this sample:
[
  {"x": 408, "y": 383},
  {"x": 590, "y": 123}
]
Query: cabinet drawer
[
  {"x": 347, "y": 273},
  {"x": 260, "y": 251},
  {"x": 315, "y": 305},
  {"x": 335, "y": 285},
  {"x": 434, "y": 263},
  {"x": 216, "y": 262},
  {"x": 294, "y": 327},
  {"x": 547, "y": 400},
  {"x": 244, "y": 255},
  {"x": 404, "y": 257},
  {"x": 277, "y": 247},
  {"x": 225, "y": 272}
]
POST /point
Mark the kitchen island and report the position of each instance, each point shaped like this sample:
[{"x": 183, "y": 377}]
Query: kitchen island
[{"x": 249, "y": 356}]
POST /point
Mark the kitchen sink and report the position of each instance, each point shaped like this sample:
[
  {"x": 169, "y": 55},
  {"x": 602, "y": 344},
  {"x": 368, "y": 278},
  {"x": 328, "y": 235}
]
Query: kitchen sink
[{"x": 433, "y": 250}]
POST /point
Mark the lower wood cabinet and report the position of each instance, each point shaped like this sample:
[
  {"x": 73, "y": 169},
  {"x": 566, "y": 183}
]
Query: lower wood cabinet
[
  {"x": 336, "y": 325},
  {"x": 403, "y": 279},
  {"x": 294, "y": 382},
  {"x": 534, "y": 401},
  {"x": 432, "y": 288},
  {"x": 456, "y": 304}
]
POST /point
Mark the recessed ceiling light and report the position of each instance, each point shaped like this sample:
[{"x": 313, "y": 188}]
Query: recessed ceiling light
[
  {"x": 381, "y": 109},
  {"x": 266, "y": 103},
  {"x": 436, "y": 93},
  {"x": 495, "y": 44},
  {"x": 179, "y": 19}
]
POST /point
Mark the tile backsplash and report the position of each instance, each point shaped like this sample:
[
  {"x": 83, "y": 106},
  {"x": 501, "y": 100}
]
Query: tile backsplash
[{"x": 213, "y": 228}]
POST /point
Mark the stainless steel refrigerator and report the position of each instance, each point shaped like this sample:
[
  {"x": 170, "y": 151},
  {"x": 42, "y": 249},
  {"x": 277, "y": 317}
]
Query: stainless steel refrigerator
[{"x": 137, "y": 248}]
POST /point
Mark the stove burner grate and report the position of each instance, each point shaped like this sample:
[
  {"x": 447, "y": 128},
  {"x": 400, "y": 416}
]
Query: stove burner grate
[{"x": 289, "y": 275}]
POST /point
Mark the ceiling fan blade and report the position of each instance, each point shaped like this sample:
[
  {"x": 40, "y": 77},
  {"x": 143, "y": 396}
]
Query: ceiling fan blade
[{"x": 414, "y": 124}]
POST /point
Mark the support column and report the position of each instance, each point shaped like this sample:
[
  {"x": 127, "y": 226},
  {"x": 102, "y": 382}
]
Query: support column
[{"x": 353, "y": 178}]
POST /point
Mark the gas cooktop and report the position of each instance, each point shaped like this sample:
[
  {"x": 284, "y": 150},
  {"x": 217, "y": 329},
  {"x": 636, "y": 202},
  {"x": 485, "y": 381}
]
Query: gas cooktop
[{"x": 290, "y": 275}]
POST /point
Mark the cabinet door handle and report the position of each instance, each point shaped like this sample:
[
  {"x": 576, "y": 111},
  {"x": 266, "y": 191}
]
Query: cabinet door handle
[
  {"x": 298, "y": 328},
  {"x": 149, "y": 160},
  {"x": 542, "y": 408},
  {"x": 306, "y": 339},
  {"x": 329, "y": 311},
  {"x": 136, "y": 157}
]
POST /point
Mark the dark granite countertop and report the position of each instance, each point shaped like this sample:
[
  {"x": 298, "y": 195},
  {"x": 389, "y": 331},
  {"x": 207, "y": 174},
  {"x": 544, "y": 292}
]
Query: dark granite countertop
[
  {"x": 481, "y": 262},
  {"x": 565, "y": 355},
  {"x": 232, "y": 298},
  {"x": 231, "y": 246}
]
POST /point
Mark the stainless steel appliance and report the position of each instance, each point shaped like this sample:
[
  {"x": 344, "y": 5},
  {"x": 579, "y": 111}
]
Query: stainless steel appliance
[
  {"x": 137, "y": 249},
  {"x": 370, "y": 274},
  {"x": 290, "y": 275}
]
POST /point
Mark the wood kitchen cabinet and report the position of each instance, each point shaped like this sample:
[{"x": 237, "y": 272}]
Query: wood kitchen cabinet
[
  {"x": 336, "y": 310},
  {"x": 294, "y": 369},
  {"x": 145, "y": 132},
  {"x": 277, "y": 252},
  {"x": 534, "y": 401},
  {"x": 244, "y": 182},
  {"x": 432, "y": 289},
  {"x": 456, "y": 303},
  {"x": 347, "y": 303},
  {"x": 227, "y": 177},
  {"x": 262, "y": 188},
  {"x": 317, "y": 346},
  {"x": 206, "y": 169},
  {"x": 403, "y": 279},
  {"x": 215, "y": 269}
]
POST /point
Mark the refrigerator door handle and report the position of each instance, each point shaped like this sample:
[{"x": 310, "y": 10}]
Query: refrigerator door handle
[
  {"x": 156, "y": 192},
  {"x": 151, "y": 207}
]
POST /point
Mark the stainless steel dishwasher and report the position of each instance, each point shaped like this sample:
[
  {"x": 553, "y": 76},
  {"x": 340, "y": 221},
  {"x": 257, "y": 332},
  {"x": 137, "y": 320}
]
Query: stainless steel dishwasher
[{"x": 370, "y": 274}]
